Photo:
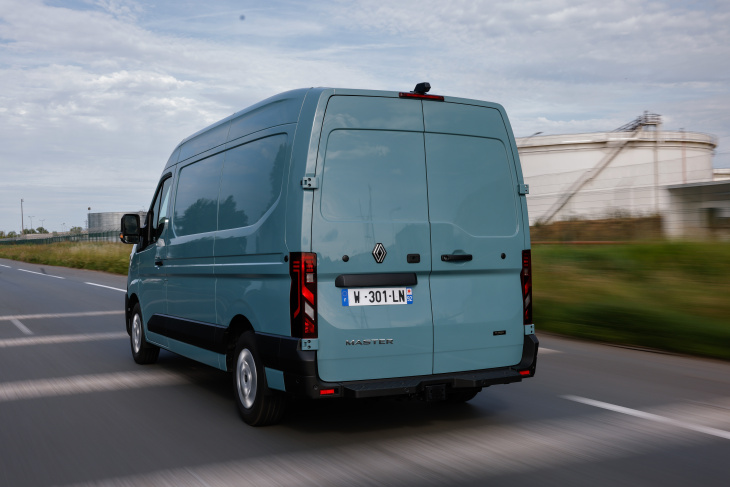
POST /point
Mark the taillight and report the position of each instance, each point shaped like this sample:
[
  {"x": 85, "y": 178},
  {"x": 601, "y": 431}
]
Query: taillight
[
  {"x": 526, "y": 278},
  {"x": 303, "y": 296}
]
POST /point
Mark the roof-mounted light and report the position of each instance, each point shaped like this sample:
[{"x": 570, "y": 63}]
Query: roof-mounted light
[{"x": 419, "y": 92}]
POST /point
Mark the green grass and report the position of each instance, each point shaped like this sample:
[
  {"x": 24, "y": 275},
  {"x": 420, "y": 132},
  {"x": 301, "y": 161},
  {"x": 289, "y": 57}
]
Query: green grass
[
  {"x": 98, "y": 256},
  {"x": 668, "y": 296},
  {"x": 664, "y": 295}
]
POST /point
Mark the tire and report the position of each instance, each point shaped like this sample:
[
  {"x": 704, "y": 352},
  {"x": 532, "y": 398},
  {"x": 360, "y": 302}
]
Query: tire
[
  {"x": 142, "y": 352},
  {"x": 462, "y": 395},
  {"x": 257, "y": 404}
]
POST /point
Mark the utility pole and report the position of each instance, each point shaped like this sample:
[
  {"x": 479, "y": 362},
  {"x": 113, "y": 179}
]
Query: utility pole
[
  {"x": 31, "y": 221},
  {"x": 22, "y": 220}
]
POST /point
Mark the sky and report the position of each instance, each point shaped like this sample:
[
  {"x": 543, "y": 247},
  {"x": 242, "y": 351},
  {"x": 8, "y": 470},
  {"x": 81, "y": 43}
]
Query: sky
[{"x": 95, "y": 94}]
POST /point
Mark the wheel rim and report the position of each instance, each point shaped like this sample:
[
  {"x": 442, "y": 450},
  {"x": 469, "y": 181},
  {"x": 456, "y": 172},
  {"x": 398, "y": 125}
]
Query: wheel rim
[
  {"x": 136, "y": 333},
  {"x": 246, "y": 379}
]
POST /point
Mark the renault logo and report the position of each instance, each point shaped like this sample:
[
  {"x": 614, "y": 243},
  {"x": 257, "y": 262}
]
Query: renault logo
[{"x": 379, "y": 253}]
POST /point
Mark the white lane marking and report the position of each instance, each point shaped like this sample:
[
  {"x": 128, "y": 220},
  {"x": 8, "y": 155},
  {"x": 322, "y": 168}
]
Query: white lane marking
[
  {"x": 108, "y": 287},
  {"x": 6, "y": 266},
  {"x": 41, "y": 274},
  {"x": 55, "y": 339},
  {"x": 651, "y": 417},
  {"x": 462, "y": 455},
  {"x": 548, "y": 350},
  {"x": 83, "y": 384},
  {"x": 21, "y": 326},
  {"x": 714, "y": 412},
  {"x": 60, "y": 315}
]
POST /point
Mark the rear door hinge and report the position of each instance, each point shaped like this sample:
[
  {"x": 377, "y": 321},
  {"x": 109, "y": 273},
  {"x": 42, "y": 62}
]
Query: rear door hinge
[
  {"x": 310, "y": 182},
  {"x": 523, "y": 188}
]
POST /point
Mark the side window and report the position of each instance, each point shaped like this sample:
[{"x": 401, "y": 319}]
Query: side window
[
  {"x": 251, "y": 181},
  {"x": 161, "y": 216},
  {"x": 196, "y": 201},
  {"x": 152, "y": 222}
]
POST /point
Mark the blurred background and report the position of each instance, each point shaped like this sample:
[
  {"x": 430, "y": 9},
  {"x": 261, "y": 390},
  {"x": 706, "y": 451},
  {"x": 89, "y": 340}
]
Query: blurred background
[
  {"x": 101, "y": 91},
  {"x": 620, "y": 113}
]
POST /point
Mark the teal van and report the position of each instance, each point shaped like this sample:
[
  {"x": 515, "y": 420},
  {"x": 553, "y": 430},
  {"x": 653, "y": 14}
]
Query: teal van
[{"x": 340, "y": 243}]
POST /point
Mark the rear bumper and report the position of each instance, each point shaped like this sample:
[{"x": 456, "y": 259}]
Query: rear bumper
[{"x": 301, "y": 378}]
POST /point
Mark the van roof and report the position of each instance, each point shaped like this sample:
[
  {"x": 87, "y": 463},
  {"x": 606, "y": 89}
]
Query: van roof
[{"x": 279, "y": 109}]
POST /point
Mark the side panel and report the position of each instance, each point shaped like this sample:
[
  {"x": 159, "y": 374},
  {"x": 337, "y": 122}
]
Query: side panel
[
  {"x": 252, "y": 275},
  {"x": 474, "y": 209},
  {"x": 190, "y": 262}
]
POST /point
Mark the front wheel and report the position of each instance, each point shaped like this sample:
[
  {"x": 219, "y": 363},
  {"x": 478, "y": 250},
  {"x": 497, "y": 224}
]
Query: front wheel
[
  {"x": 257, "y": 405},
  {"x": 142, "y": 352}
]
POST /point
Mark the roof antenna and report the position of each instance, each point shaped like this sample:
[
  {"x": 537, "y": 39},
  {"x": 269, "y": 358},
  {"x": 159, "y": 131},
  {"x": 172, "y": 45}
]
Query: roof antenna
[{"x": 422, "y": 88}]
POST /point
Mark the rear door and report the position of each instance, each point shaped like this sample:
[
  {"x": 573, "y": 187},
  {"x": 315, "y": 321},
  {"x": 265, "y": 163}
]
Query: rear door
[
  {"x": 370, "y": 213},
  {"x": 476, "y": 238},
  {"x": 435, "y": 184}
]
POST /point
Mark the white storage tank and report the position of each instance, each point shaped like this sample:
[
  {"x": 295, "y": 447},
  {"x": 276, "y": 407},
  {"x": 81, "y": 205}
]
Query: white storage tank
[{"x": 621, "y": 173}]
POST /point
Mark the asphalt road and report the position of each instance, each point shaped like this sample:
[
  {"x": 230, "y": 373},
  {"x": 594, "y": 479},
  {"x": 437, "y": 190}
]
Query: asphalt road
[{"x": 76, "y": 410}]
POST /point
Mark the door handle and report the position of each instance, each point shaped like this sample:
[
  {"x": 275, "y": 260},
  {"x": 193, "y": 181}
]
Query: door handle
[
  {"x": 158, "y": 262},
  {"x": 455, "y": 257}
]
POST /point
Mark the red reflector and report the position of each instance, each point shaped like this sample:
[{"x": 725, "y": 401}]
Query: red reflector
[
  {"x": 309, "y": 328},
  {"x": 420, "y": 96},
  {"x": 524, "y": 372},
  {"x": 326, "y": 392}
]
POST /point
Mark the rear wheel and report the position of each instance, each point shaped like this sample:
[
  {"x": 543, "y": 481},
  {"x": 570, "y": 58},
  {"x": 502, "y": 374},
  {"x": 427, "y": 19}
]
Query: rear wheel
[
  {"x": 142, "y": 352},
  {"x": 257, "y": 404}
]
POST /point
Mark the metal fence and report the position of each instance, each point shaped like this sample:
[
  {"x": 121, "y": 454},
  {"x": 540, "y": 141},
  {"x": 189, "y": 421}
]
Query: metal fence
[{"x": 35, "y": 239}]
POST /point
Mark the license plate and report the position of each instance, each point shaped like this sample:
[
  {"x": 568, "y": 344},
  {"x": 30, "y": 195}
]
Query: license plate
[{"x": 380, "y": 296}]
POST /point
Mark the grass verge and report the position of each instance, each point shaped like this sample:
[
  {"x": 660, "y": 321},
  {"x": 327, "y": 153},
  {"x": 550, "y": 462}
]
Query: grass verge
[
  {"x": 668, "y": 296},
  {"x": 99, "y": 256},
  {"x": 665, "y": 295}
]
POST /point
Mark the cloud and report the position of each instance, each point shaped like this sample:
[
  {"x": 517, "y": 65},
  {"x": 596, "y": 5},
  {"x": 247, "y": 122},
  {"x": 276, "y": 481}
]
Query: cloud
[
  {"x": 95, "y": 94},
  {"x": 577, "y": 41}
]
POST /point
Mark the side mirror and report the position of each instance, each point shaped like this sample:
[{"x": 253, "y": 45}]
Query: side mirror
[{"x": 130, "y": 228}]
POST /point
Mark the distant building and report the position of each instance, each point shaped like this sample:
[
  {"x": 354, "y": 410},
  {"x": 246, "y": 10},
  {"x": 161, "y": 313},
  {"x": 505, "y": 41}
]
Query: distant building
[
  {"x": 109, "y": 221},
  {"x": 721, "y": 174},
  {"x": 699, "y": 210},
  {"x": 636, "y": 170}
]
